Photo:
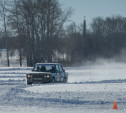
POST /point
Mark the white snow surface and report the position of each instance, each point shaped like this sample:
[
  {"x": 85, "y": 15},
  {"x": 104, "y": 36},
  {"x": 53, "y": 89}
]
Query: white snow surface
[{"x": 90, "y": 89}]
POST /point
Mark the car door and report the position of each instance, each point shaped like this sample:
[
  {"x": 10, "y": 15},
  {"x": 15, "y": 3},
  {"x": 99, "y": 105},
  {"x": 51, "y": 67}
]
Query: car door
[
  {"x": 61, "y": 73},
  {"x": 57, "y": 76}
]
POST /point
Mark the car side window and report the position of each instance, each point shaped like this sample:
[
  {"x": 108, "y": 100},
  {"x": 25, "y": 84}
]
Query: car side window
[
  {"x": 60, "y": 68},
  {"x": 57, "y": 68}
]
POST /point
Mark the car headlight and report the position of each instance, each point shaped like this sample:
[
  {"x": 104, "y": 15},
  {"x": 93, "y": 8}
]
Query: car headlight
[
  {"x": 47, "y": 76},
  {"x": 29, "y": 76}
]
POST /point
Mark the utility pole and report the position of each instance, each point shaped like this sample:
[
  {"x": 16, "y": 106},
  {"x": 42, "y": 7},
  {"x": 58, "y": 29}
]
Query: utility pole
[{"x": 84, "y": 27}]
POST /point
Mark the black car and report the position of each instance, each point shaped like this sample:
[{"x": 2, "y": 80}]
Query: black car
[{"x": 46, "y": 73}]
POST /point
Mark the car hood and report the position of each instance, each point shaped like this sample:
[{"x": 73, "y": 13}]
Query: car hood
[{"x": 32, "y": 73}]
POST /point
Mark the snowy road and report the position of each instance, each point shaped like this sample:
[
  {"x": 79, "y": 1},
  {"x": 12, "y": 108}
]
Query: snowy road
[{"x": 90, "y": 89}]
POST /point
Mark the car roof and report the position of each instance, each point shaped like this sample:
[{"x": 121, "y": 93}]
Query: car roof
[{"x": 49, "y": 63}]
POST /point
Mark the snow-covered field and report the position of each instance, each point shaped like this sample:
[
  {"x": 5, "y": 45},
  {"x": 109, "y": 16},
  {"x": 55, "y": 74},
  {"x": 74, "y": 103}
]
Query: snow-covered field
[{"x": 90, "y": 89}]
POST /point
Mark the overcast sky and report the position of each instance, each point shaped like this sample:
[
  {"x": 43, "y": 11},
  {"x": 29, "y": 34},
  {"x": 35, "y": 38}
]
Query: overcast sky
[{"x": 94, "y": 8}]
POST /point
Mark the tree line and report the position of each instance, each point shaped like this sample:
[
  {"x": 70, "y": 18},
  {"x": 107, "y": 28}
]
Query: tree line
[{"x": 36, "y": 29}]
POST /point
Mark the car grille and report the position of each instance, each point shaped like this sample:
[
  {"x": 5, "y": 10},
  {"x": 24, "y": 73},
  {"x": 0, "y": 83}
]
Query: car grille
[{"x": 37, "y": 76}]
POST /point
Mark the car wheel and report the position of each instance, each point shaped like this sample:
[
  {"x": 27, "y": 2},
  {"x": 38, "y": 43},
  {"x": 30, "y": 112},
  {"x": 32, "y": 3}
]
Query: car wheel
[
  {"x": 53, "y": 80},
  {"x": 43, "y": 81},
  {"x": 65, "y": 80},
  {"x": 29, "y": 83}
]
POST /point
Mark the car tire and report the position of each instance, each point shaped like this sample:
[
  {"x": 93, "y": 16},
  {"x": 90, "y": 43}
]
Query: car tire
[
  {"x": 43, "y": 81},
  {"x": 53, "y": 80},
  {"x": 29, "y": 83},
  {"x": 64, "y": 80}
]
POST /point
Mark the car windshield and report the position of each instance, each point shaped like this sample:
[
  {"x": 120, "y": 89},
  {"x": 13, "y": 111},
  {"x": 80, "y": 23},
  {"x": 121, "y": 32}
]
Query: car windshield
[{"x": 45, "y": 68}]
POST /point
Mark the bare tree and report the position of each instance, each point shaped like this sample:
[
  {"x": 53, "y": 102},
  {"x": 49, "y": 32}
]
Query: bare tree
[
  {"x": 16, "y": 22},
  {"x": 3, "y": 19},
  {"x": 44, "y": 21}
]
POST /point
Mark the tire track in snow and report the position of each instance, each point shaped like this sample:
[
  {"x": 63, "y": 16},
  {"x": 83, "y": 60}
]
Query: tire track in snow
[{"x": 18, "y": 96}]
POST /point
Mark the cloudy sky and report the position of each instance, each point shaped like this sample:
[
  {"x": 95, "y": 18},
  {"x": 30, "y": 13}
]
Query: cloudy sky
[{"x": 94, "y": 8}]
